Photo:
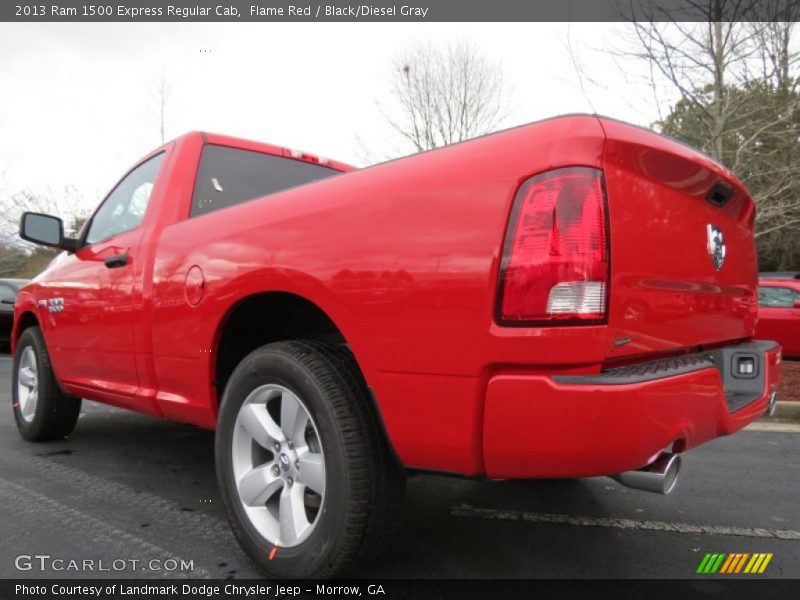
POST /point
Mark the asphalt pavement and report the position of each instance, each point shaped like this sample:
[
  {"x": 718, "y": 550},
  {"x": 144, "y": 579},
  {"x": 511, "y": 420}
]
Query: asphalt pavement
[{"x": 137, "y": 496}]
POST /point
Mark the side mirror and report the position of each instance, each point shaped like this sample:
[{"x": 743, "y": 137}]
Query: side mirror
[
  {"x": 797, "y": 303},
  {"x": 45, "y": 230}
]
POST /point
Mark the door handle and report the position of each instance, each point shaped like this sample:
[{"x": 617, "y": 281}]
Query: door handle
[{"x": 117, "y": 261}]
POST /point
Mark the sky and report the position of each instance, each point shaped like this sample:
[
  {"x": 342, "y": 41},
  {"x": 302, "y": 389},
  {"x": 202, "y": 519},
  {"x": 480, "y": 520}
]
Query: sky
[{"x": 78, "y": 102}]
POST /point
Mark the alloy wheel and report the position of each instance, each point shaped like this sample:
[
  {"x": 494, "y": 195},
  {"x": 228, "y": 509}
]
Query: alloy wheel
[
  {"x": 278, "y": 465},
  {"x": 27, "y": 384}
]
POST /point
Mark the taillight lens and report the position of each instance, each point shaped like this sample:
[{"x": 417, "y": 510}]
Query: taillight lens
[{"x": 555, "y": 258}]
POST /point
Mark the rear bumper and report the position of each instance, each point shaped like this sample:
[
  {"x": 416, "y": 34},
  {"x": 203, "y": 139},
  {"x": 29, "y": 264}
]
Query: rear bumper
[{"x": 539, "y": 426}]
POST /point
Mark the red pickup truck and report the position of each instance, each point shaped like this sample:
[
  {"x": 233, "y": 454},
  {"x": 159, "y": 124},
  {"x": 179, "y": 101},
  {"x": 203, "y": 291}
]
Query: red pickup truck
[
  {"x": 571, "y": 298},
  {"x": 779, "y": 312}
]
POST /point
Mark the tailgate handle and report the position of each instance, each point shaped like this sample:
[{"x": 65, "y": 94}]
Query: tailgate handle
[
  {"x": 719, "y": 194},
  {"x": 117, "y": 261}
]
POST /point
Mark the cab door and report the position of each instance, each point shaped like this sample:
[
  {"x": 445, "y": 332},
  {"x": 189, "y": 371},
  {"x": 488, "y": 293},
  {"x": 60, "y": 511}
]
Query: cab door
[{"x": 91, "y": 298}]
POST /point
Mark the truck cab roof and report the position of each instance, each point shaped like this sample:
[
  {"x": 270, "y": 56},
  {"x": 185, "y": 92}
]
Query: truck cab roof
[{"x": 219, "y": 139}]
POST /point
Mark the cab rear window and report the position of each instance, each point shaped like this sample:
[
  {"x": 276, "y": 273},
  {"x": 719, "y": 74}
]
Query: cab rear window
[{"x": 230, "y": 176}]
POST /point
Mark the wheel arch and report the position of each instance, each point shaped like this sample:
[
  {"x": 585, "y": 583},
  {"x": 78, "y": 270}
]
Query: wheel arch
[
  {"x": 26, "y": 319},
  {"x": 262, "y": 318},
  {"x": 265, "y": 317}
]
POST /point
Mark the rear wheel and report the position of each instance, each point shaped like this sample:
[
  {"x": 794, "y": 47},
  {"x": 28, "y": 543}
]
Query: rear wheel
[
  {"x": 42, "y": 411},
  {"x": 309, "y": 484}
]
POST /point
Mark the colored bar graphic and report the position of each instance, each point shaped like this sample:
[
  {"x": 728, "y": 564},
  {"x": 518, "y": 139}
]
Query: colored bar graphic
[
  {"x": 703, "y": 563},
  {"x": 741, "y": 562},
  {"x": 764, "y": 564},
  {"x": 711, "y": 562},
  {"x": 735, "y": 562},
  {"x": 727, "y": 564},
  {"x": 755, "y": 562},
  {"x": 730, "y": 565},
  {"x": 717, "y": 563}
]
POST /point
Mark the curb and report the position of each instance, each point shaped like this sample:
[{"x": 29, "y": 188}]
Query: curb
[{"x": 786, "y": 412}]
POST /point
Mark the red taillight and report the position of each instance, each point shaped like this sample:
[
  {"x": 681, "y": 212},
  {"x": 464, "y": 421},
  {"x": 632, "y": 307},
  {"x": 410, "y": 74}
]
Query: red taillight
[{"x": 555, "y": 258}]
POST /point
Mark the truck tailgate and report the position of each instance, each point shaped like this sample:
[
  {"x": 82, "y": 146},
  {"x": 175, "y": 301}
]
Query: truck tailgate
[{"x": 683, "y": 260}]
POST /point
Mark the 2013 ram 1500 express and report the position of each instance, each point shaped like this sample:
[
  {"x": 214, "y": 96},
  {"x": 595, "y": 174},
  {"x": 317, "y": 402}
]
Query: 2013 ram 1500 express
[{"x": 571, "y": 298}]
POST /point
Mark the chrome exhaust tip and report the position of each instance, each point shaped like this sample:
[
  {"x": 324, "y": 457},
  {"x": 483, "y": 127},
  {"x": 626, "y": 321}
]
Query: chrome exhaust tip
[
  {"x": 659, "y": 477},
  {"x": 773, "y": 404}
]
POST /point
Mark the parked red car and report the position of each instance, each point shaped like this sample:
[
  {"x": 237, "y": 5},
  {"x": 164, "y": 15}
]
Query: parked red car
[
  {"x": 779, "y": 312},
  {"x": 8, "y": 297},
  {"x": 571, "y": 298}
]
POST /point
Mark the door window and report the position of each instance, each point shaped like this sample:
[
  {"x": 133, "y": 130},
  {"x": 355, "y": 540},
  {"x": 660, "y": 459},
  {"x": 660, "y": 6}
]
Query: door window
[
  {"x": 776, "y": 297},
  {"x": 7, "y": 293},
  {"x": 124, "y": 208}
]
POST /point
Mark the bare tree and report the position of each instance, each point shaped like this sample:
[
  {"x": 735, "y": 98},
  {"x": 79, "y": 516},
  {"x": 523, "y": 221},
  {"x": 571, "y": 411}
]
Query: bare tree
[
  {"x": 445, "y": 95},
  {"x": 697, "y": 62},
  {"x": 161, "y": 92},
  {"x": 23, "y": 259},
  {"x": 730, "y": 87},
  {"x": 68, "y": 205},
  {"x": 5, "y": 162}
]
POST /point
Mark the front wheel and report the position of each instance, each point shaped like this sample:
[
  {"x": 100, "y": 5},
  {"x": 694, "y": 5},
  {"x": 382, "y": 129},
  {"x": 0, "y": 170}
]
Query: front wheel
[
  {"x": 41, "y": 409},
  {"x": 307, "y": 478}
]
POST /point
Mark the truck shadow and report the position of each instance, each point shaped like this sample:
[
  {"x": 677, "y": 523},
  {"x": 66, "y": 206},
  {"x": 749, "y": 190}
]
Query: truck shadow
[{"x": 176, "y": 462}]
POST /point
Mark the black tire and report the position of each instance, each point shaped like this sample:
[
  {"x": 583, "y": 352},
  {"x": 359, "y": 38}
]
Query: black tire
[
  {"x": 363, "y": 498},
  {"x": 56, "y": 412}
]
